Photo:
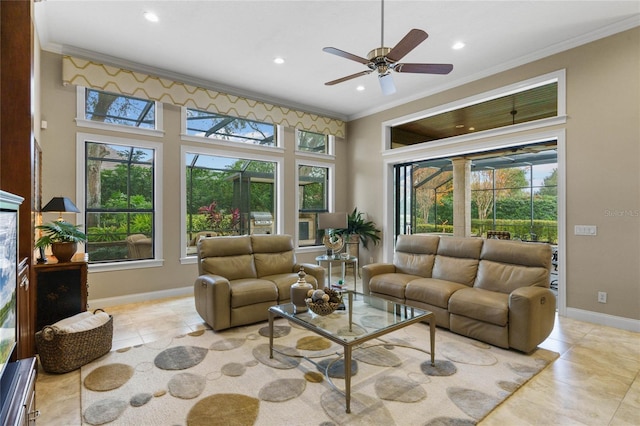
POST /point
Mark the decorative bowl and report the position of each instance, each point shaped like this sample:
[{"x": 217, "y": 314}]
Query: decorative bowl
[{"x": 322, "y": 308}]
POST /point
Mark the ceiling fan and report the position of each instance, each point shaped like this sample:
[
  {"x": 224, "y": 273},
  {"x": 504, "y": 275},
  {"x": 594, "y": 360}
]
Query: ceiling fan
[{"x": 384, "y": 59}]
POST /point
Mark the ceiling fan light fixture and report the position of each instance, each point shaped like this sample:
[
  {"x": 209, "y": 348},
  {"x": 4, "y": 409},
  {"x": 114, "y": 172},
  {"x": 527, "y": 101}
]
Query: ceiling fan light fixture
[
  {"x": 386, "y": 84},
  {"x": 278, "y": 60}
]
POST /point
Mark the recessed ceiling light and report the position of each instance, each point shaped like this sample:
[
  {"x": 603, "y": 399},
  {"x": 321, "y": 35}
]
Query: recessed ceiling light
[
  {"x": 457, "y": 46},
  {"x": 472, "y": 129},
  {"x": 279, "y": 60},
  {"x": 360, "y": 88},
  {"x": 151, "y": 17},
  {"x": 459, "y": 126}
]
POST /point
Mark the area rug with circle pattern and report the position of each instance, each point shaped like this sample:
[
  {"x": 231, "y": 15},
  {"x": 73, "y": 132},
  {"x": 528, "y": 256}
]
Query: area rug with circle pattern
[{"x": 225, "y": 378}]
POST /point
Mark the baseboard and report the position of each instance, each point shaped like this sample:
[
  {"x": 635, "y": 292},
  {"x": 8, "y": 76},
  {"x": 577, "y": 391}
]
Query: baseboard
[
  {"x": 139, "y": 297},
  {"x": 604, "y": 319}
]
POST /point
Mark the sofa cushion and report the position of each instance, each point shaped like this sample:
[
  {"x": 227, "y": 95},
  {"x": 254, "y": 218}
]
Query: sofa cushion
[
  {"x": 505, "y": 278},
  {"x": 274, "y": 263},
  {"x": 457, "y": 260},
  {"x": 479, "y": 304},
  {"x": 517, "y": 253},
  {"x": 508, "y": 265},
  {"x": 250, "y": 291},
  {"x": 273, "y": 254},
  {"x": 270, "y": 243},
  {"x": 414, "y": 254},
  {"x": 392, "y": 284},
  {"x": 458, "y": 270},
  {"x": 224, "y": 246},
  {"x": 230, "y": 267},
  {"x": 468, "y": 248},
  {"x": 283, "y": 284},
  {"x": 432, "y": 291}
]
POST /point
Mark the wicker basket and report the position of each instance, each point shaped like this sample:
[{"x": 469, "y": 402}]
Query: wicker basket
[
  {"x": 61, "y": 352},
  {"x": 322, "y": 308}
]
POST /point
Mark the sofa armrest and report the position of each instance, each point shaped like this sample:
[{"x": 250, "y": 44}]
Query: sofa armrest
[
  {"x": 314, "y": 270},
  {"x": 212, "y": 294},
  {"x": 371, "y": 270},
  {"x": 532, "y": 313}
]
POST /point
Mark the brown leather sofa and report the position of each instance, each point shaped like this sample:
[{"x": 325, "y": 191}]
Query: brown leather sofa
[
  {"x": 242, "y": 276},
  {"x": 492, "y": 290}
]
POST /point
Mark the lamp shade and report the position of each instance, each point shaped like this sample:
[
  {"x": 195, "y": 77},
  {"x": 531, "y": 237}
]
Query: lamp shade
[
  {"x": 60, "y": 204},
  {"x": 332, "y": 221}
]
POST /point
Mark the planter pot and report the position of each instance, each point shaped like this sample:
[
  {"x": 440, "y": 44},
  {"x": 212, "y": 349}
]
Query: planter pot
[
  {"x": 353, "y": 245},
  {"x": 64, "y": 251}
]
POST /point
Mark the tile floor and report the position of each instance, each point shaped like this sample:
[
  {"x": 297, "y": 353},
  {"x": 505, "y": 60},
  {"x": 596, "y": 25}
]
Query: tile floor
[{"x": 596, "y": 380}]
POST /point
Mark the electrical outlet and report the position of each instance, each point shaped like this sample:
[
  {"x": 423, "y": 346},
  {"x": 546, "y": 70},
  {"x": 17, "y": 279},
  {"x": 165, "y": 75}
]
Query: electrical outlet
[
  {"x": 602, "y": 297},
  {"x": 590, "y": 230}
]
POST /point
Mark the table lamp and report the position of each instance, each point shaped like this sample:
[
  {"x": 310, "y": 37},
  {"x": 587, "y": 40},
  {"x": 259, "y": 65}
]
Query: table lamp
[
  {"x": 60, "y": 205},
  {"x": 331, "y": 222}
]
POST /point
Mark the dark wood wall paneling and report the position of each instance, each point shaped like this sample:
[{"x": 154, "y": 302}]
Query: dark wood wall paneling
[{"x": 17, "y": 144}]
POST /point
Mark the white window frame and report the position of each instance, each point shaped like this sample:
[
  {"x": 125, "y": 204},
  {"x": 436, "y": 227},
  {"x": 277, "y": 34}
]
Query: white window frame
[
  {"x": 279, "y": 185},
  {"x": 561, "y": 117},
  {"x": 82, "y": 121},
  {"x": 331, "y": 195},
  {"x": 81, "y": 139}
]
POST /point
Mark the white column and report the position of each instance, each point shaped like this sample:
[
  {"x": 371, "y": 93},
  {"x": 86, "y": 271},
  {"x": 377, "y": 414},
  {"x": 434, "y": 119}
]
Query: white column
[{"x": 461, "y": 197}]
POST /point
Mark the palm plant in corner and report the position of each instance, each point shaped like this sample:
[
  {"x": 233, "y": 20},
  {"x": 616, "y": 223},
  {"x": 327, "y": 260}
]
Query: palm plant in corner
[
  {"x": 63, "y": 237},
  {"x": 360, "y": 230}
]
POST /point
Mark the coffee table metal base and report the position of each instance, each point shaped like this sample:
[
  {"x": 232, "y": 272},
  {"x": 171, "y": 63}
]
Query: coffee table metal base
[{"x": 348, "y": 346}]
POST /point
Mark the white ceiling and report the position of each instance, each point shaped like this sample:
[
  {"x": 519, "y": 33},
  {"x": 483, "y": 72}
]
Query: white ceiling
[{"x": 230, "y": 45}]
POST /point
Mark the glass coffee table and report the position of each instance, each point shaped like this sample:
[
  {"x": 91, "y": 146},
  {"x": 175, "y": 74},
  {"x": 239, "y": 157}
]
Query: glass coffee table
[{"x": 344, "y": 328}]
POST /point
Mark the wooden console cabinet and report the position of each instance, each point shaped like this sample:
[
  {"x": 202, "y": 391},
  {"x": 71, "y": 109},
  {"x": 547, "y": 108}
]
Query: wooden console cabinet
[{"x": 61, "y": 290}]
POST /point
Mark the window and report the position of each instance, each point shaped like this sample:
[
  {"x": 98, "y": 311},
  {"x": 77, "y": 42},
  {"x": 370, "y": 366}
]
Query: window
[
  {"x": 228, "y": 196},
  {"x": 113, "y": 111},
  {"x": 534, "y": 103},
  {"x": 311, "y": 142},
  {"x": 120, "y": 201},
  {"x": 512, "y": 190},
  {"x": 119, "y": 109},
  {"x": 313, "y": 198},
  {"x": 211, "y": 125}
]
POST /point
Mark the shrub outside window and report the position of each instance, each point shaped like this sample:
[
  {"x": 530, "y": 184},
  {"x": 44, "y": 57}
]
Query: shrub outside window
[{"x": 228, "y": 196}]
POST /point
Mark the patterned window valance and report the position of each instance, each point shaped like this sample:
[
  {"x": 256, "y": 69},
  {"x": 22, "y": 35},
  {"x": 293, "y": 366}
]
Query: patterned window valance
[{"x": 86, "y": 73}]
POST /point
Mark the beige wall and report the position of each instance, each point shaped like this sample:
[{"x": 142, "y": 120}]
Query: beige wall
[
  {"x": 58, "y": 142},
  {"x": 602, "y": 165},
  {"x": 602, "y": 172}
]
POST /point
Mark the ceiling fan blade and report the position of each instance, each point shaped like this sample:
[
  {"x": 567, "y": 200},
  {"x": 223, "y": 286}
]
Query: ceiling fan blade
[
  {"x": 407, "y": 44},
  {"x": 424, "y": 68},
  {"x": 346, "y": 55},
  {"x": 349, "y": 77},
  {"x": 386, "y": 84}
]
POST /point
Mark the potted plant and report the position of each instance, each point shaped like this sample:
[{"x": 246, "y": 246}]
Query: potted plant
[
  {"x": 63, "y": 237},
  {"x": 359, "y": 230}
]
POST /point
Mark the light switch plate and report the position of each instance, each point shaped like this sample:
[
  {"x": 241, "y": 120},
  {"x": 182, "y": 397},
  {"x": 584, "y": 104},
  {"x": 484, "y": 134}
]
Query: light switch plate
[{"x": 590, "y": 230}]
